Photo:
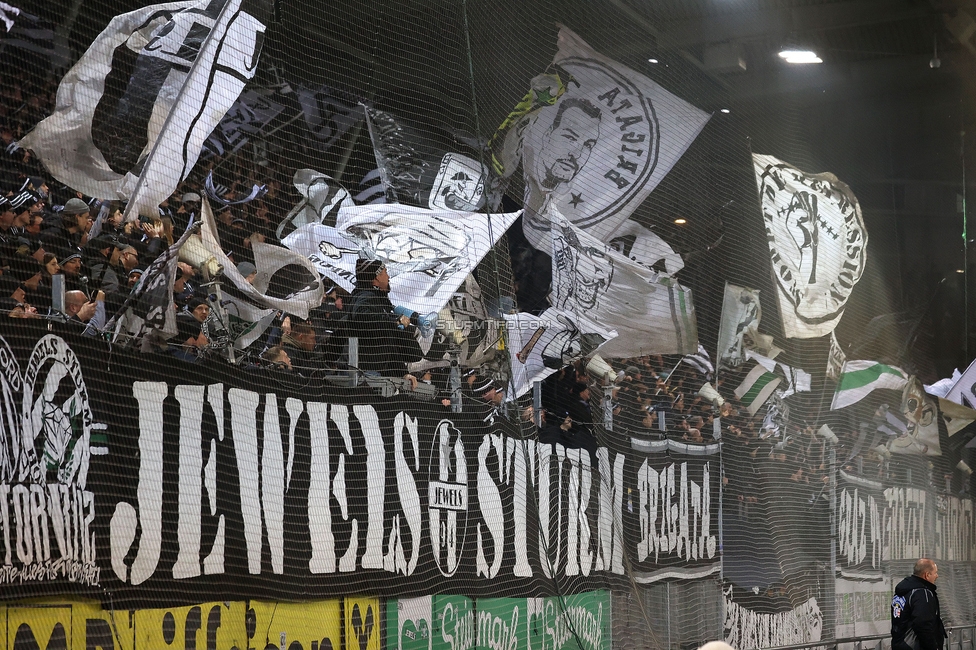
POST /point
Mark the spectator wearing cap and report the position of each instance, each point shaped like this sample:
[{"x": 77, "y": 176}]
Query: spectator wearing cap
[
  {"x": 248, "y": 270},
  {"x": 134, "y": 276},
  {"x": 70, "y": 232},
  {"x": 386, "y": 342},
  {"x": 24, "y": 206},
  {"x": 189, "y": 329},
  {"x": 72, "y": 270},
  {"x": 189, "y": 209}
]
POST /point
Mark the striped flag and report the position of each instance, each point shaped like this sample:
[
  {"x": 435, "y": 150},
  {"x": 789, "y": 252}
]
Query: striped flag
[
  {"x": 859, "y": 378},
  {"x": 700, "y": 361},
  {"x": 756, "y": 388}
]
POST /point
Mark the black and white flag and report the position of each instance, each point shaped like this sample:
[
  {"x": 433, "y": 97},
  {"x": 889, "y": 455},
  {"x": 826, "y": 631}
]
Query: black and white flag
[
  {"x": 428, "y": 253},
  {"x": 650, "y": 311},
  {"x": 700, "y": 361},
  {"x": 285, "y": 281},
  {"x": 541, "y": 345},
  {"x": 328, "y": 114},
  {"x": 322, "y": 196},
  {"x": 817, "y": 244},
  {"x": 741, "y": 313},
  {"x": 427, "y": 167},
  {"x": 325, "y": 247},
  {"x": 599, "y": 150},
  {"x": 132, "y": 115},
  {"x": 150, "y": 307}
]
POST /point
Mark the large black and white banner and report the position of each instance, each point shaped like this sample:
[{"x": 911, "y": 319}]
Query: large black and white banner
[
  {"x": 817, "y": 244},
  {"x": 160, "y": 481}
]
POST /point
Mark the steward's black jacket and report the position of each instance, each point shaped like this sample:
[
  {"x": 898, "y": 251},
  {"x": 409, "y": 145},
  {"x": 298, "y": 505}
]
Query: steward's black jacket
[{"x": 916, "y": 622}]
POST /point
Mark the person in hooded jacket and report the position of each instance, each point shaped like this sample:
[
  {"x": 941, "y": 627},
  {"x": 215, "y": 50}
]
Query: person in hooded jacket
[{"x": 916, "y": 622}]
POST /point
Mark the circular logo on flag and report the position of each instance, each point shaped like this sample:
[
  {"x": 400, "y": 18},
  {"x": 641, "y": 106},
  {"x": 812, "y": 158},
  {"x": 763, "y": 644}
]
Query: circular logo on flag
[
  {"x": 817, "y": 239},
  {"x": 592, "y": 151}
]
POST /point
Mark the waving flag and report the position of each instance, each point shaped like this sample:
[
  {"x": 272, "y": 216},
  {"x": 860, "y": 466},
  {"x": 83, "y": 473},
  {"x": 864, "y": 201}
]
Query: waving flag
[
  {"x": 428, "y": 253},
  {"x": 860, "y": 378},
  {"x": 597, "y": 151},
  {"x": 541, "y": 345},
  {"x": 817, "y": 244},
  {"x": 650, "y": 311},
  {"x": 332, "y": 254},
  {"x": 133, "y": 113}
]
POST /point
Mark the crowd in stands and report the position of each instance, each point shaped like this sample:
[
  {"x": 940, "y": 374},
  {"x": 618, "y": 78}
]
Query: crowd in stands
[{"x": 48, "y": 230}]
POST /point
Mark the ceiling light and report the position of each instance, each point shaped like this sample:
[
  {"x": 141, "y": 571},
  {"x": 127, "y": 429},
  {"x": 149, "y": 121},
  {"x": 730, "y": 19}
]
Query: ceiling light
[
  {"x": 652, "y": 60},
  {"x": 680, "y": 221},
  {"x": 725, "y": 110},
  {"x": 800, "y": 56},
  {"x": 960, "y": 270}
]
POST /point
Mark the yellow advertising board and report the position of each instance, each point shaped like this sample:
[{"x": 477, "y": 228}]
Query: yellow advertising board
[
  {"x": 363, "y": 630},
  {"x": 296, "y": 626},
  {"x": 85, "y": 625}
]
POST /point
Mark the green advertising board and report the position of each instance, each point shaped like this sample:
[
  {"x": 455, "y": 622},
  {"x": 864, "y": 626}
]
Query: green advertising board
[{"x": 444, "y": 622}]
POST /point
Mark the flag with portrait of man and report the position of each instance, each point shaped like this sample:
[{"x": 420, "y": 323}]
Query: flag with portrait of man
[{"x": 600, "y": 148}]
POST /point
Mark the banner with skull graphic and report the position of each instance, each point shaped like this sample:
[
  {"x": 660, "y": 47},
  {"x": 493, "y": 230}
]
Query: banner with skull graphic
[{"x": 817, "y": 244}]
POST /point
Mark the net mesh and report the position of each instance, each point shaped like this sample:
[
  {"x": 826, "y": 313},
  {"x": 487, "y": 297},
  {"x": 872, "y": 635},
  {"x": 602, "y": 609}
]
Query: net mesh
[{"x": 272, "y": 485}]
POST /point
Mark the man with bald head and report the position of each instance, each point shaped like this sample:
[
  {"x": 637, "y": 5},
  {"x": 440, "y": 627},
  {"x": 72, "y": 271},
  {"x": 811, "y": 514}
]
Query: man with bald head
[{"x": 916, "y": 622}]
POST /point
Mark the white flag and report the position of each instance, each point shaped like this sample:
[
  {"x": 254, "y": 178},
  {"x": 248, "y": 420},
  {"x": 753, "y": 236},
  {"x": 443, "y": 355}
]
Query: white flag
[
  {"x": 859, "y": 378},
  {"x": 603, "y": 146},
  {"x": 650, "y": 311},
  {"x": 133, "y": 113},
  {"x": 921, "y": 411},
  {"x": 817, "y": 244},
  {"x": 332, "y": 254},
  {"x": 741, "y": 313},
  {"x": 797, "y": 379},
  {"x": 964, "y": 390},
  {"x": 643, "y": 245},
  {"x": 428, "y": 253},
  {"x": 541, "y": 345},
  {"x": 285, "y": 280}
]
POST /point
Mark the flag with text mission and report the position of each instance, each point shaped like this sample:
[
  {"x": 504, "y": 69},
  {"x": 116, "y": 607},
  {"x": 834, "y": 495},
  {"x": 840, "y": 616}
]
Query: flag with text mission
[
  {"x": 757, "y": 387},
  {"x": 428, "y": 253},
  {"x": 817, "y": 244},
  {"x": 133, "y": 113},
  {"x": 602, "y": 147},
  {"x": 650, "y": 311},
  {"x": 859, "y": 378}
]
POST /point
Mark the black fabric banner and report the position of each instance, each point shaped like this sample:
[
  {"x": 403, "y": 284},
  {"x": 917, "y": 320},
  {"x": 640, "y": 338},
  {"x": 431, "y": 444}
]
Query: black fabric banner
[{"x": 150, "y": 481}]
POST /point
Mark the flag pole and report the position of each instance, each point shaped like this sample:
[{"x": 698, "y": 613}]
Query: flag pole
[{"x": 164, "y": 130}]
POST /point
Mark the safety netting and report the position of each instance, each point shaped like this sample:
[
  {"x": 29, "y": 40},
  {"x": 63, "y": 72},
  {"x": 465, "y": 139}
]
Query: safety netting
[{"x": 493, "y": 326}]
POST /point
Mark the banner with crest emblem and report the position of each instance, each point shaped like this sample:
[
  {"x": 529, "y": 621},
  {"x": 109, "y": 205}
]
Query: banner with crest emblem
[{"x": 817, "y": 244}]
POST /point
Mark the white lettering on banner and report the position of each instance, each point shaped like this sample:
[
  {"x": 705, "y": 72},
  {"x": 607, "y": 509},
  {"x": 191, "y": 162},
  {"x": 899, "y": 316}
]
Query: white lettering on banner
[
  {"x": 564, "y": 625},
  {"x": 674, "y": 526},
  {"x": 46, "y": 521},
  {"x": 747, "y": 629},
  {"x": 458, "y": 628},
  {"x": 497, "y": 634},
  {"x": 874, "y": 530}
]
